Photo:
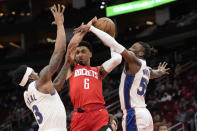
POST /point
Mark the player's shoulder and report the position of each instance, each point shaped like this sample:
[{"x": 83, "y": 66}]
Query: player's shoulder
[{"x": 32, "y": 86}]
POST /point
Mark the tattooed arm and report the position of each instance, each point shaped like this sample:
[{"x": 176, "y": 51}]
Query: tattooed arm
[
  {"x": 44, "y": 82},
  {"x": 61, "y": 77}
]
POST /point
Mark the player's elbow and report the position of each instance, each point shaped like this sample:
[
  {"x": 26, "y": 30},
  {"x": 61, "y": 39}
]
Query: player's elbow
[
  {"x": 57, "y": 86},
  {"x": 117, "y": 60}
]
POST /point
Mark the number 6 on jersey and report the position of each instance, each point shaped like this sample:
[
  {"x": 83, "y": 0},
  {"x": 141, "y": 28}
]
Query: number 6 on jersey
[{"x": 86, "y": 83}]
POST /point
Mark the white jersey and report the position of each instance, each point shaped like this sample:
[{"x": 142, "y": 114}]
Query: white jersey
[
  {"x": 132, "y": 88},
  {"x": 48, "y": 109}
]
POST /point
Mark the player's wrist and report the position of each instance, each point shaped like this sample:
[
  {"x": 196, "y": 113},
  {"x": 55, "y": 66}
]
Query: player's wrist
[{"x": 60, "y": 23}]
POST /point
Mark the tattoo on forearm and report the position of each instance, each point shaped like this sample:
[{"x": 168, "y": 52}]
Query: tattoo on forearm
[{"x": 61, "y": 77}]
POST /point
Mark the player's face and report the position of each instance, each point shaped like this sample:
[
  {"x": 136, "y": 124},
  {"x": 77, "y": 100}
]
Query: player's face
[
  {"x": 137, "y": 48},
  {"x": 114, "y": 125},
  {"x": 83, "y": 56},
  {"x": 163, "y": 128}
]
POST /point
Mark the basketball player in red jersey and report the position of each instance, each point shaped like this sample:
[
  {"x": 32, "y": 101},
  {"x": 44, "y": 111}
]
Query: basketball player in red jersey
[{"x": 85, "y": 85}]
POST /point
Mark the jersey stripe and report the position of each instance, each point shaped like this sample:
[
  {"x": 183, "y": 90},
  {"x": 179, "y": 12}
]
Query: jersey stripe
[{"x": 127, "y": 87}]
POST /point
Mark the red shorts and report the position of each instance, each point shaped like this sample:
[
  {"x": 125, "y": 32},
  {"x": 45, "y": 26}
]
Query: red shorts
[{"x": 89, "y": 120}]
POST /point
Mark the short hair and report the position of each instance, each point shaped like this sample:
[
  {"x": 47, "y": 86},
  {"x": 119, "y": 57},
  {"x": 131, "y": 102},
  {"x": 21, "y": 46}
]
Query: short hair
[
  {"x": 86, "y": 44},
  {"x": 148, "y": 50},
  {"x": 18, "y": 74},
  {"x": 163, "y": 124},
  {"x": 113, "y": 117}
]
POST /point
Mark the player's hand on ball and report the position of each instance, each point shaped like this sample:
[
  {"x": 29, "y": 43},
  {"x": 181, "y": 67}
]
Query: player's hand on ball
[
  {"x": 82, "y": 29},
  {"x": 92, "y": 21},
  {"x": 58, "y": 14},
  {"x": 162, "y": 68}
]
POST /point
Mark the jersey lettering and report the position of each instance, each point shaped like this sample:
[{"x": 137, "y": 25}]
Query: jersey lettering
[{"x": 85, "y": 72}]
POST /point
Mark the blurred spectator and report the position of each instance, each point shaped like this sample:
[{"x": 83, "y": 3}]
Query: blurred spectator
[
  {"x": 163, "y": 127},
  {"x": 114, "y": 122}
]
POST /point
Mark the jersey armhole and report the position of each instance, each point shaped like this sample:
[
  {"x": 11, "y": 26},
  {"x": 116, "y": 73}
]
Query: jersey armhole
[
  {"x": 36, "y": 89},
  {"x": 99, "y": 73}
]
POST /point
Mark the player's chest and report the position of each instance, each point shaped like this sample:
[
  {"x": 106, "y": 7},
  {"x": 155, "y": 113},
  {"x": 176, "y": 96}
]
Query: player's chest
[
  {"x": 31, "y": 99},
  {"x": 85, "y": 73}
]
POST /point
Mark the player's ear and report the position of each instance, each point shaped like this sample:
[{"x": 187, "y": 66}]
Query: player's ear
[
  {"x": 90, "y": 54},
  {"x": 141, "y": 53}
]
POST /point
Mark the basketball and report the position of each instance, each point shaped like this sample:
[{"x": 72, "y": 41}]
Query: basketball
[{"x": 107, "y": 25}]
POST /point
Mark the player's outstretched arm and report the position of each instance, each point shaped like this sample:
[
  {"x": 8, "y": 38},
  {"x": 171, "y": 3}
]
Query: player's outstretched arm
[
  {"x": 74, "y": 42},
  {"x": 60, "y": 47},
  {"x": 160, "y": 71},
  {"x": 109, "y": 41}
]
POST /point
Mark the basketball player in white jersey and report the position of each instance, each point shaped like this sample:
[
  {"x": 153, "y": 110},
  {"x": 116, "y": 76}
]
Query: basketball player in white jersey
[
  {"x": 41, "y": 96},
  {"x": 134, "y": 80}
]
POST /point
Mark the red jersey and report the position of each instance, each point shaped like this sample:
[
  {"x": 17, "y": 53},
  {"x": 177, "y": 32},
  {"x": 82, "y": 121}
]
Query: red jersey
[{"x": 85, "y": 86}]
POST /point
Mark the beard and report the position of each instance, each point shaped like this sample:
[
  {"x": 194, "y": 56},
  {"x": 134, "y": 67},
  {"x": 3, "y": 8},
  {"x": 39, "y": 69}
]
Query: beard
[{"x": 81, "y": 62}]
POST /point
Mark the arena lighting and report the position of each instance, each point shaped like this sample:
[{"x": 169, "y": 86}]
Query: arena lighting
[
  {"x": 1, "y": 46},
  {"x": 1, "y": 14},
  {"x": 13, "y": 12},
  {"x": 134, "y": 6},
  {"x": 149, "y": 22},
  {"x": 14, "y": 45}
]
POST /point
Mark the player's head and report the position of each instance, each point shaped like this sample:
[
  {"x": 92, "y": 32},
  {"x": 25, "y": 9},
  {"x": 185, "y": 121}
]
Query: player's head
[
  {"x": 114, "y": 122},
  {"x": 142, "y": 50},
  {"x": 163, "y": 127},
  {"x": 23, "y": 75},
  {"x": 83, "y": 53}
]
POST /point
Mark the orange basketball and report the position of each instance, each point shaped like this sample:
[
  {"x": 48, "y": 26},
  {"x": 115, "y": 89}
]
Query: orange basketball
[{"x": 107, "y": 25}]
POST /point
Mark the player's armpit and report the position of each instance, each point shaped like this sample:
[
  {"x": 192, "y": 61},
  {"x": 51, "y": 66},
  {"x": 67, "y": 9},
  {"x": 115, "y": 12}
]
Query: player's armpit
[
  {"x": 47, "y": 72},
  {"x": 43, "y": 84}
]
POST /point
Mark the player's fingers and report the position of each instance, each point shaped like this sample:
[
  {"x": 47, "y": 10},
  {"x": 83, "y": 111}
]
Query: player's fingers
[
  {"x": 165, "y": 64},
  {"x": 53, "y": 23},
  {"x": 55, "y": 8},
  {"x": 52, "y": 10},
  {"x": 160, "y": 64},
  {"x": 76, "y": 31},
  {"x": 167, "y": 69},
  {"x": 58, "y": 9},
  {"x": 94, "y": 20},
  {"x": 63, "y": 8}
]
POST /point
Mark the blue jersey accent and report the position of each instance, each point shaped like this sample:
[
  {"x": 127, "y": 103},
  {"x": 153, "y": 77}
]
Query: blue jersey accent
[
  {"x": 36, "y": 85},
  {"x": 38, "y": 115},
  {"x": 131, "y": 120},
  {"x": 143, "y": 86},
  {"x": 53, "y": 93},
  {"x": 127, "y": 86}
]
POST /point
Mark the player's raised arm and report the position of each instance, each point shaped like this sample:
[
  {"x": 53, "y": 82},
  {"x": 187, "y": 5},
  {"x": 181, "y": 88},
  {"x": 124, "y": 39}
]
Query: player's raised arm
[
  {"x": 60, "y": 46},
  {"x": 74, "y": 42},
  {"x": 160, "y": 71},
  {"x": 109, "y": 41}
]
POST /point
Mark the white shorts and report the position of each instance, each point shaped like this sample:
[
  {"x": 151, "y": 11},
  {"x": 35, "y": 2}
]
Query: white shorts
[
  {"x": 137, "y": 119},
  {"x": 55, "y": 129}
]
